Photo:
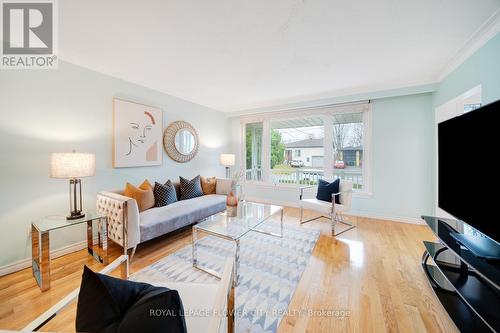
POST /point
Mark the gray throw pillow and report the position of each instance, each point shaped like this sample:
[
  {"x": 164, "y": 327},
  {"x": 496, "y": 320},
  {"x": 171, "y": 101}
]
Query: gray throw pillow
[{"x": 190, "y": 188}]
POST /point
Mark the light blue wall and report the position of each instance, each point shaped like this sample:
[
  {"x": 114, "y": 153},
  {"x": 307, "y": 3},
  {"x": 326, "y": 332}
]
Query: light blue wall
[
  {"x": 402, "y": 166},
  {"x": 402, "y": 154},
  {"x": 71, "y": 108},
  {"x": 483, "y": 68}
]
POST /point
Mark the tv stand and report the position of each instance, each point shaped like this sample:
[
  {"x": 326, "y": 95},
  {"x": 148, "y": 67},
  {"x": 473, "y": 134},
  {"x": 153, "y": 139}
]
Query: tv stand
[
  {"x": 480, "y": 246},
  {"x": 467, "y": 285}
]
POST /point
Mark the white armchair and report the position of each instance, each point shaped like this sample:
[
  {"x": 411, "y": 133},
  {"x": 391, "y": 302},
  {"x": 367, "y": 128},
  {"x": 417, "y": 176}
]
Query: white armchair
[{"x": 330, "y": 210}]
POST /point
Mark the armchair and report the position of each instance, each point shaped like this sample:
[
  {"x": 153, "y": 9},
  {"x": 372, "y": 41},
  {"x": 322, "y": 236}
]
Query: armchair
[{"x": 330, "y": 210}]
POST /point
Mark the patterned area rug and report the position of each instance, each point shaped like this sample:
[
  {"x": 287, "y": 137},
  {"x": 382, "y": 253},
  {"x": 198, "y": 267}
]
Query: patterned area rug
[{"x": 270, "y": 269}]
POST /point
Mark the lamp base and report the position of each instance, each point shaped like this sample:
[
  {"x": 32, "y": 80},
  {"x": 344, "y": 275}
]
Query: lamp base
[{"x": 75, "y": 216}]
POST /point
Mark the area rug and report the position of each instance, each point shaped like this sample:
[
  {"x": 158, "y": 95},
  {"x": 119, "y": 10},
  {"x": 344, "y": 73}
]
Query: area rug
[{"x": 270, "y": 269}]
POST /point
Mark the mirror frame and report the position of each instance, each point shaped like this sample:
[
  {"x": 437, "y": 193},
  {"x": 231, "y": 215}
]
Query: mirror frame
[{"x": 169, "y": 141}]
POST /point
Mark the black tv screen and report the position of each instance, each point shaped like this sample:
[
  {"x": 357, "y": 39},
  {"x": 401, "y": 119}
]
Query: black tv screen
[{"x": 468, "y": 174}]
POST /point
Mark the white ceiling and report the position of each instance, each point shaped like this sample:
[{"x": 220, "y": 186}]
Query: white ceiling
[{"x": 232, "y": 55}]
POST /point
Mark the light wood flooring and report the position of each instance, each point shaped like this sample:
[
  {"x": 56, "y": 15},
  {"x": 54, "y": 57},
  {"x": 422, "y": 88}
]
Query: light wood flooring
[{"x": 368, "y": 279}]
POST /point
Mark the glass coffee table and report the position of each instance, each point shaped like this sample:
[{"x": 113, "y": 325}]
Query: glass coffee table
[{"x": 250, "y": 216}]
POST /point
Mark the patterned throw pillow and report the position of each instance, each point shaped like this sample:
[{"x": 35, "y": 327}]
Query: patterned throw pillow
[
  {"x": 164, "y": 194},
  {"x": 190, "y": 188}
]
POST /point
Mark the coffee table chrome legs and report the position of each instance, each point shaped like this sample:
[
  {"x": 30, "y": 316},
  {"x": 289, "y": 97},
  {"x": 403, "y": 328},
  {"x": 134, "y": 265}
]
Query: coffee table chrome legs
[
  {"x": 197, "y": 265},
  {"x": 272, "y": 233}
]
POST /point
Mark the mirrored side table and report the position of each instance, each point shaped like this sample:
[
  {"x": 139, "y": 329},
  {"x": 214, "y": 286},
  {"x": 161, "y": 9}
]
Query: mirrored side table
[{"x": 97, "y": 242}]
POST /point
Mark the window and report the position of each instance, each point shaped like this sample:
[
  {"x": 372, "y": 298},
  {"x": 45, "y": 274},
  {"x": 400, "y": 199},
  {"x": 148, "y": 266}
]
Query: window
[
  {"x": 348, "y": 147},
  {"x": 299, "y": 148},
  {"x": 253, "y": 151},
  {"x": 303, "y": 136}
]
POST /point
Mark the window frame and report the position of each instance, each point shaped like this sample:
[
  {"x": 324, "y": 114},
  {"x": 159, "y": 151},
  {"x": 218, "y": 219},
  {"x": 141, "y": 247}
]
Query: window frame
[{"x": 266, "y": 118}]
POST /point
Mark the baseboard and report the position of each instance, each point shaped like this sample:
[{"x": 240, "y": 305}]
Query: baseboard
[
  {"x": 402, "y": 219},
  {"x": 393, "y": 218},
  {"x": 25, "y": 263}
]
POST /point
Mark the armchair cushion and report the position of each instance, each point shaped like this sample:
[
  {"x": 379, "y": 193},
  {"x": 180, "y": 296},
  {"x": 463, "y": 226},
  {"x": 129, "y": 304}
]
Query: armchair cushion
[
  {"x": 321, "y": 206},
  {"x": 326, "y": 189}
]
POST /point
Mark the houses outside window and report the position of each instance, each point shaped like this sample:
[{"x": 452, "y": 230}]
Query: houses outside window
[
  {"x": 348, "y": 140},
  {"x": 305, "y": 137},
  {"x": 292, "y": 149}
]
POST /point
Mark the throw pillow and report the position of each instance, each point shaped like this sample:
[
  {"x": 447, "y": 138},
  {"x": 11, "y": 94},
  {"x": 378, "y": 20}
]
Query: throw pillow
[
  {"x": 108, "y": 304},
  {"x": 190, "y": 188},
  {"x": 208, "y": 185},
  {"x": 164, "y": 194},
  {"x": 142, "y": 194},
  {"x": 225, "y": 186},
  {"x": 326, "y": 189}
]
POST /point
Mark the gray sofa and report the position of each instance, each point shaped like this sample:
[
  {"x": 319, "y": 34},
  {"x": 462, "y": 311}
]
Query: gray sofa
[{"x": 128, "y": 227}]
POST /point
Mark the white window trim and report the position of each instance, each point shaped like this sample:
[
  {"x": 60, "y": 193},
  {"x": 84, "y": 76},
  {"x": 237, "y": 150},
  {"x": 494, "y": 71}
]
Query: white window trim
[{"x": 266, "y": 118}]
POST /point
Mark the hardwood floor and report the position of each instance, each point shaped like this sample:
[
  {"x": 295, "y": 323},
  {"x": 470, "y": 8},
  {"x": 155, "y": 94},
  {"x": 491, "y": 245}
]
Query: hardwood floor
[{"x": 368, "y": 279}]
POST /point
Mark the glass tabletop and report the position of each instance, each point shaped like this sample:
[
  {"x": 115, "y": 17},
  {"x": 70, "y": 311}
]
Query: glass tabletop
[
  {"x": 249, "y": 216},
  {"x": 53, "y": 222}
]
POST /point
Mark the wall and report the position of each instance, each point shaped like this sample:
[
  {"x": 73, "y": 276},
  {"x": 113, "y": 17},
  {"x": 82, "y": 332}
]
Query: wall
[
  {"x": 71, "y": 108},
  {"x": 482, "y": 68},
  {"x": 402, "y": 166}
]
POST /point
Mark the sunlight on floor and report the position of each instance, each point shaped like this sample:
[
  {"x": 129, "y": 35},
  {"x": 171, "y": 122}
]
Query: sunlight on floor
[{"x": 356, "y": 251}]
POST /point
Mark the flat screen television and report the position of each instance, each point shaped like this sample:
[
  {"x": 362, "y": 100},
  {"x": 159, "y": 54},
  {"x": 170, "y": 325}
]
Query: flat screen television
[{"x": 468, "y": 171}]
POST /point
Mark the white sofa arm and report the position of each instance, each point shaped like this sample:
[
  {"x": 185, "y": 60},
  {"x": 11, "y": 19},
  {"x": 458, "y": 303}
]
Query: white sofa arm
[{"x": 123, "y": 218}]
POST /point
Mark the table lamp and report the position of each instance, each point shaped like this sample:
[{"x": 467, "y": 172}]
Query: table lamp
[
  {"x": 73, "y": 166},
  {"x": 227, "y": 160}
]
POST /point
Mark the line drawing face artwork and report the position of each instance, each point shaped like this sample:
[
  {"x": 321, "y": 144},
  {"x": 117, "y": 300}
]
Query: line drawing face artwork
[{"x": 137, "y": 134}]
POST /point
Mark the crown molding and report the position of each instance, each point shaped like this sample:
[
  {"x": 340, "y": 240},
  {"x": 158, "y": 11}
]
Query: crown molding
[{"x": 479, "y": 38}]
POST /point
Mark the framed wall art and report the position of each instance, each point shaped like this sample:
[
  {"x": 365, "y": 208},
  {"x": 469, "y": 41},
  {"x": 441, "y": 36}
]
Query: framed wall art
[{"x": 137, "y": 134}]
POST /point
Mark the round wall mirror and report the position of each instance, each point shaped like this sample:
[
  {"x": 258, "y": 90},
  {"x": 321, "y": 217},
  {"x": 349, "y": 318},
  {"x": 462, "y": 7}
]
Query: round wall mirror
[
  {"x": 180, "y": 141},
  {"x": 184, "y": 141}
]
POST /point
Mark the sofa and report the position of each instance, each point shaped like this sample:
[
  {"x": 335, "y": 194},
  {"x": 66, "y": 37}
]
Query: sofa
[{"x": 128, "y": 227}]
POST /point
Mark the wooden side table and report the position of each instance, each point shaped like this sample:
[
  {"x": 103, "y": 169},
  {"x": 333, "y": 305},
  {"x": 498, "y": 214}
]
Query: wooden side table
[{"x": 97, "y": 245}]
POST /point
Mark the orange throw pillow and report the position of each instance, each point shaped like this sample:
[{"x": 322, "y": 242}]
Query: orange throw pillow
[
  {"x": 143, "y": 195},
  {"x": 208, "y": 185}
]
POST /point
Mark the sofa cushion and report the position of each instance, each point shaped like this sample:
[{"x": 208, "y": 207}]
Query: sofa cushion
[
  {"x": 208, "y": 185},
  {"x": 224, "y": 186},
  {"x": 143, "y": 195},
  {"x": 165, "y": 194},
  {"x": 190, "y": 188},
  {"x": 157, "y": 221}
]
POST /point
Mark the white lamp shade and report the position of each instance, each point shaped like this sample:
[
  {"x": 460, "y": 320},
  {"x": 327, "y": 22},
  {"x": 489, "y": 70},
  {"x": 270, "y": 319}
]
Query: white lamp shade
[
  {"x": 72, "y": 165},
  {"x": 227, "y": 159}
]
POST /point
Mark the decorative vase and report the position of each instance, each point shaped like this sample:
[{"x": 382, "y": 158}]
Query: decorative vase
[{"x": 232, "y": 204}]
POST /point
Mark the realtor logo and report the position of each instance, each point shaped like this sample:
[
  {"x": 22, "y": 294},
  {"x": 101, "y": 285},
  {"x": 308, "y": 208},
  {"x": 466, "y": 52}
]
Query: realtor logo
[{"x": 28, "y": 34}]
